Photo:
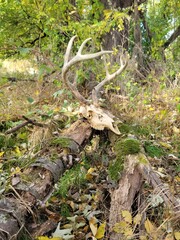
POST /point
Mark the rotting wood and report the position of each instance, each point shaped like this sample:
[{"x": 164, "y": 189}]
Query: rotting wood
[
  {"x": 122, "y": 198},
  {"x": 34, "y": 186}
]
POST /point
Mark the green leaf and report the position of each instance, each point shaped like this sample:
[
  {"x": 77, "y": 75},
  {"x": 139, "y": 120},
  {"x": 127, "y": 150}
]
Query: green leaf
[{"x": 30, "y": 99}]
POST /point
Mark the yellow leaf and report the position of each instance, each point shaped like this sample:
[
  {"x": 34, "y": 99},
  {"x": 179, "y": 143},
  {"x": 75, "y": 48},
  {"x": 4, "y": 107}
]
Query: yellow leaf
[
  {"x": 57, "y": 109},
  {"x": 127, "y": 216},
  {"x": 101, "y": 231},
  {"x": 120, "y": 226},
  {"x": 137, "y": 219},
  {"x": 37, "y": 92},
  {"x": 17, "y": 170},
  {"x": 1, "y": 154},
  {"x": 18, "y": 152},
  {"x": 169, "y": 237},
  {"x": 165, "y": 145},
  {"x": 176, "y": 130},
  {"x": 177, "y": 235},
  {"x": 91, "y": 170},
  {"x": 128, "y": 232},
  {"x": 89, "y": 175},
  {"x": 177, "y": 178},
  {"x": 150, "y": 228},
  {"x": 142, "y": 237},
  {"x": 46, "y": 238},
  {"x": 93, "y": 225}
]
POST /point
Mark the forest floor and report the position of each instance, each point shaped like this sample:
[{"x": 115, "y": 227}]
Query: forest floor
[{"x": 81, "y": 199}]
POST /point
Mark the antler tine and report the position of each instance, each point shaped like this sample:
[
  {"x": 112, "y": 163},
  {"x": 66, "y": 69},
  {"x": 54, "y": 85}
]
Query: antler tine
[
  {"x": 77, "y": 58},
  {"x": 82, "y": 45},
  {"x": 108, "y": 78},
  {"x": 68, "y": 50}
]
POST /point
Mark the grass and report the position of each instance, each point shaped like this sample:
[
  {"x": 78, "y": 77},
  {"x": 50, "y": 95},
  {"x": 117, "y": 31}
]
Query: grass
[{"x": 150, "y": 117}]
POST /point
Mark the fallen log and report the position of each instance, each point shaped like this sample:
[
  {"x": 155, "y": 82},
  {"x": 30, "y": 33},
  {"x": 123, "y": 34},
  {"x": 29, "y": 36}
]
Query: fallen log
[
  {"x": 34, "y": 185},
  {"x": 137, "y": 169}
]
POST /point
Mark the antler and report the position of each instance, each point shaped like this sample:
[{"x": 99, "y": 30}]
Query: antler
[
  {"x": 108, "y": 78},
  {"x": 97, "y": 117},
  {"x": 77, "y": 58}
]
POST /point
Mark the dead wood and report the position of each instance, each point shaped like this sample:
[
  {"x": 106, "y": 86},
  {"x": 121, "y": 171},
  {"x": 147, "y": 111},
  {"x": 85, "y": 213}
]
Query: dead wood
[
  {"x": 160, "y": 188},
  {"x": 28, "y": 121},
  {"x": 34, "y": 186},
  {"x": 123, "y": 197},
  {"x": 137, "y": 169}
]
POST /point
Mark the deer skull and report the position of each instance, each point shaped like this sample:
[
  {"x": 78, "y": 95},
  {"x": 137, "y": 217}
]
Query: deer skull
[{"x": 98, "y": 118}]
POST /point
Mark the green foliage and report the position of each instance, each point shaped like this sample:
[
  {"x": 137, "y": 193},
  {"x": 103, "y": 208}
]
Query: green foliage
[
  {"x": 163, "y": 19},
  {"x": 135, "y": 129},
  {"x": 7, "y": 142},
  {"x": 63, "y": 142},
  {"x": 48, "y": 25},
  {"x": 152, "y": 150},
  {"x": 74, "y": 177}
]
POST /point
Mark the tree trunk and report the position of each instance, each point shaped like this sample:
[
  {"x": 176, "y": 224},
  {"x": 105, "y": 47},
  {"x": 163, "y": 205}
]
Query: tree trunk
[
  {"x": 115, "y": 38},
  {"x": 35, "y": 184},
  {"x": 138, "y": 50}
]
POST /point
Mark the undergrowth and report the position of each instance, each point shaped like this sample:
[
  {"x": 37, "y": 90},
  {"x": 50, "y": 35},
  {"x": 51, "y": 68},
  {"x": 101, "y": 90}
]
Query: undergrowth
[{"x": 150, "y": 116}]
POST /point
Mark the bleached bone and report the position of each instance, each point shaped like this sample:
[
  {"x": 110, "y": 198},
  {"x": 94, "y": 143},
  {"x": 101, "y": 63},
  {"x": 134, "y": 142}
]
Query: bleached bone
[{"x": 98, "y": 117}]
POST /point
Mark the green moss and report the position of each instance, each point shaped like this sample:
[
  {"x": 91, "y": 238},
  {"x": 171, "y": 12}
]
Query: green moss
[
  {"x": 122, "y": 148},
  {"x": 62, "y": 142},
  {"x": 152, "y": 150},
  {"x": 124, "y": 128},
  {"x": 115, "y": 168},
  {"x": 139, "y": 130},
  {"x": 127, "y": 146},
  {"x": 65, "y": 210},
  {"x": 75, "y": 177}
]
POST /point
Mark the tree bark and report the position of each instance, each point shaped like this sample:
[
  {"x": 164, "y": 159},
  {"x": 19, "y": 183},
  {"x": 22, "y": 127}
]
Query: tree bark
[
  {"x": 172, "y": 38},
  {"x": 115, "y": 38},
  {"x": 35, "y": 184},
  {"x": 138, "y": 50}
]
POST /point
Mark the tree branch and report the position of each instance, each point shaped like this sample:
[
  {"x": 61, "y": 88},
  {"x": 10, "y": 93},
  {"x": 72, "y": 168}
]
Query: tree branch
[{"x": 172, "y": 38}]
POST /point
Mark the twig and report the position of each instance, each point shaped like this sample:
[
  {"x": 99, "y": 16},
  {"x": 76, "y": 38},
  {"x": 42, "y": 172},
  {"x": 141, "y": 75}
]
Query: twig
[
  {"x": 28, "y": 121},
  {"x": 14, "y": 129}
]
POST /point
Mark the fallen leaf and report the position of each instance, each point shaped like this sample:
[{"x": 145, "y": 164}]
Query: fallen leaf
[
  {"x": 127, "y": 216},
  {"x": 177, "y": 235},
  {"x": 150, "y": 228},
  {"x": 137, "y": 219},
  {"x": 128, "y": 232},
  {"x": 93, "y": 225},
  {"x": 169, "y": 237},
  {"x": 89, "y": 175},
  {"x": 1, "y": 154},
  {"x": 120, "y": 226},
  {"x": 101, "y": 231},
  {"x": 63, "y": 233},
  {"x": 47, "y": 238}
]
